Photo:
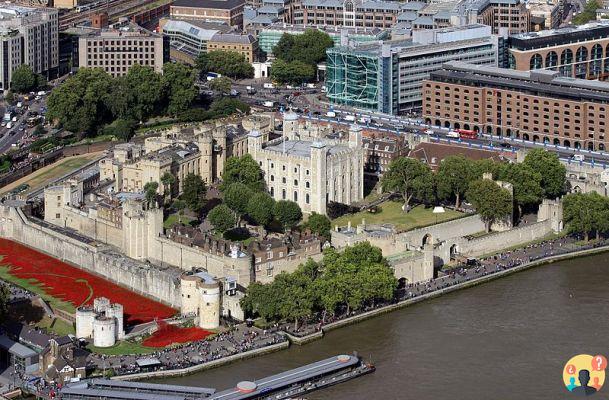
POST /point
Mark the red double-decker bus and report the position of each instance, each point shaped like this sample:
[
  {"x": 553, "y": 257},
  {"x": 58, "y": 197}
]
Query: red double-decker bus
[{"x": 467, "y": 134}]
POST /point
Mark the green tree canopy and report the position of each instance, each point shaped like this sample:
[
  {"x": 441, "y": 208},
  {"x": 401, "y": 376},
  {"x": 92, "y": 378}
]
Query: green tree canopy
[
  {"x": 226, "y": 63},
  {"x": 168, "y": 180},
  {"x": 410, "y": 178},
  {"x": 292, "y": 72},
  {"x": 260, "y": 208},
  {"x": 491, "y": 202},
  {"x": 288, "y": 213},
  {"x": 309, "y": 47},
  {"x": 526, "y": 183},
  {"x": 222, "y": 85},
  {"x": 80, "y": 103},
  {"x": 150, "y": 189},
  {"x": 24, "y": 79},
  {"x": 553, "y": 173},
  {"x": 193, "y": 192},
  {"x": 222, "y": 218},
  {"x": 453, "y": 178},
  {"x": 586, "y": 212},
  {"x": 244, "y": 170},
  {"x": 588, "y": 13},
  {"x": 237, "y": 196},
  {"x": 319, "y": 224},
  {"x": 179, "y": 83}
]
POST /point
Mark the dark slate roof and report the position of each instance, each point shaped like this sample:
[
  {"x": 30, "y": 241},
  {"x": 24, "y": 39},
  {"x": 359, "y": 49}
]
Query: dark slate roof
[{"x": 218, "y": 4}]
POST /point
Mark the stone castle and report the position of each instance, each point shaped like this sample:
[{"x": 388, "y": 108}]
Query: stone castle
[{"x": 103, "y": 322}]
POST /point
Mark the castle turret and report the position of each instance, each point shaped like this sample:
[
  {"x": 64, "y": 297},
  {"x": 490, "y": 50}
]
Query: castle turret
[
  {"x": 290, "y": 125},
  {"x": 319, "y": 174},
  {"x": 254, "y": 143},
  {"x": 355, "y": 136},
  {"x": 205, "y": 144}
]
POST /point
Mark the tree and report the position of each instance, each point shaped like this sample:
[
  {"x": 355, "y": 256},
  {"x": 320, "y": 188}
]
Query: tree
[
  {"x": 221, "y": 84},
  {"x": 588, "y": 13},
  {"x": 80, "y": 104},
  {"x": 292, "y": 72},
  {"x": 24, "y": 79},
  {"x": 222, "y": 218},
  {"x": 526, "y": 183},
  {"x": 150, "y": 189},
  {"x": 288, "y": 213},
  {"x": 244, "y": 170},
  {"x": 260, "y": 208},
  {"x": 10, "y": 97},
  {"x": 168, "y": 180},
  {"x": 202, "y": 63},
  {"x": 227, "y": 63},
  {"x": 410, "y": 178},
  {"x": 453, "y": 178},
  {"x": 586, "y": 212},
  {"x": 553, "y": 173},
  {"x": 179, "y": 206},
  {"x": 193, "y": 192},
  {"x": 491, "y": 202},
  {"x": 225, "y": 106},
  {"x": 146, "y": 87},
  {"x": 319, "y": 224},
  {"x": 179, "y": 83},
  {"x": 309, "y": 47},
  {"x": 237, "y": 196}
]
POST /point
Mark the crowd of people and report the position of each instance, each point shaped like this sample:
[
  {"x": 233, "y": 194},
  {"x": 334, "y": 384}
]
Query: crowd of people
[{"x": 236, "y": 340}]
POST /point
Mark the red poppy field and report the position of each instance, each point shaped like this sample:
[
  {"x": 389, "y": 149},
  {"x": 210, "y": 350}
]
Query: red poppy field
[
  {"x": 78, "y": 287},
  {"x": 171, "y": 334}
]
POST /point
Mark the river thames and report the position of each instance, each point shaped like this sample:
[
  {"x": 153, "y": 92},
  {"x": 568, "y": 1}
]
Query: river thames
[{"x": 506, "y": 339}]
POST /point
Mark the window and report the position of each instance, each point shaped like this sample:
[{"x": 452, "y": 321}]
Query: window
[
  {"x": 269, "y": 255},
  {"x": 57, "y": 216},
  {"x": 295, "y": 182},
  {"x": 307, "y": 184}
]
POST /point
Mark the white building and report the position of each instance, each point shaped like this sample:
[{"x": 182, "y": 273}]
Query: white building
[
  {"x": 103, "y": 322},
  {"x": 311, "y": 171},
  {"x": 28, "y": 36}
]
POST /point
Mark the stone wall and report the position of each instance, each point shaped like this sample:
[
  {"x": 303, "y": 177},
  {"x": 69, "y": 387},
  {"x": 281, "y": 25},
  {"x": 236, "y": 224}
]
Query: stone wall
[{"x": 151, "y": 281}]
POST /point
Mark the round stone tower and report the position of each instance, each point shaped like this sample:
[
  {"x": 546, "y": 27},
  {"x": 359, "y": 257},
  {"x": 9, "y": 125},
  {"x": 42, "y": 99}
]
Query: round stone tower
[
  {"x": 104, "y": 332},
  {"x": 84, "y": 322}
]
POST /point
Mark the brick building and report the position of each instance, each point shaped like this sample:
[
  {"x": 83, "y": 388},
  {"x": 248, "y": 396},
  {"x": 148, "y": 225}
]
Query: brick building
[
  {"x": 244, "y": 44},
  {"x": 540, "y": 106},
  {"x": 579, "y": 52}
]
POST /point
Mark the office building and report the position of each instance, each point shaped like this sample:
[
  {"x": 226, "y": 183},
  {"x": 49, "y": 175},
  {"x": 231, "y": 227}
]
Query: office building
[
  {"x": 387, "y": 76},
  {"x": 229, "y": 12},
  {"x": 575, "y": 51},
  {"x": 539, "y": 105},
  {"x": 28, "y": 36},
  {"x": 116, "y": 50},
  {"x": 188, "y": 39},
  {"x": 503, "y": 16},
  {"x": 244, "y": 44},
  {"x": 270, "y": 36}
]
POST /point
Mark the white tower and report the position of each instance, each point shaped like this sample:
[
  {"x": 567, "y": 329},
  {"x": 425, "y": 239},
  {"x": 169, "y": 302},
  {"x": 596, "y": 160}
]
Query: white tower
[
  {"x": 318, "y": 177},
  {"x": 290, "y": 125}
]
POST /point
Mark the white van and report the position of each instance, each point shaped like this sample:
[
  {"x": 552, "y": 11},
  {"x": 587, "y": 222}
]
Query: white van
[
  {"x": 269, "y": 86},
  {"x": 453, "y": 134},
  {"x": 349, "y": 118},
  {"x": 331, "y": 114}
]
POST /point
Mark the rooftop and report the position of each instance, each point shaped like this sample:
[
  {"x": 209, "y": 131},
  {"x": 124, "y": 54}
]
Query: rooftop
[
  {"x": 301, "y": 148},
  {"x": 233, "y": 38},
  {"x": 215, "y": 4}
]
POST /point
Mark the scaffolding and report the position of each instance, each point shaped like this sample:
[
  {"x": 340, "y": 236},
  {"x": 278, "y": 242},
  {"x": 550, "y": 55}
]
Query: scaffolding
[{"x": 353, "y": 78}]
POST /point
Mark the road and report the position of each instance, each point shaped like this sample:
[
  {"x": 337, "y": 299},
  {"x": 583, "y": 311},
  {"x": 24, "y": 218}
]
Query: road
[{"x": 312, "y": 108}]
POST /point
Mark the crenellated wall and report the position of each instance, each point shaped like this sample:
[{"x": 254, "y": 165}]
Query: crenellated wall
[{"x": 158, "y": 283}]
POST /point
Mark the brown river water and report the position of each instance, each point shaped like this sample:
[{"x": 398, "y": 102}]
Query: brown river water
[{"x": 506, "y": 339}]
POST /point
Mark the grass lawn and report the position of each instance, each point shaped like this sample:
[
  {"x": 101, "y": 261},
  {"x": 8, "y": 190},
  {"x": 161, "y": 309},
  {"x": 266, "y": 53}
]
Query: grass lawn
[
  {"x": 34, "y": 286},
  {"x": 173, "y": 219},
  {"x": 124, "y": 347},
  {"x": 391, "y": 213},
  {"x": 58, "y": 326},
  {"x": 44, "y": 175}
]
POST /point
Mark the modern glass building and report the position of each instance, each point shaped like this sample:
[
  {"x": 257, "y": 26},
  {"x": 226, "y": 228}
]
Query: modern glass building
[
  {"x": 270, "y": 36},
  {"x": 387, "y": 76}
]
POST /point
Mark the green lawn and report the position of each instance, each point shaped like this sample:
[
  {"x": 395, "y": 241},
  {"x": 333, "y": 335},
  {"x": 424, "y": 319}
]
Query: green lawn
[
  {"x": 34, "y": 286},
  {"x": 58, "y": 326},
  {"x": 124, "y": 347},
  {"x": 174, "y": 218},
  {"x": 391, "y": 213}
]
